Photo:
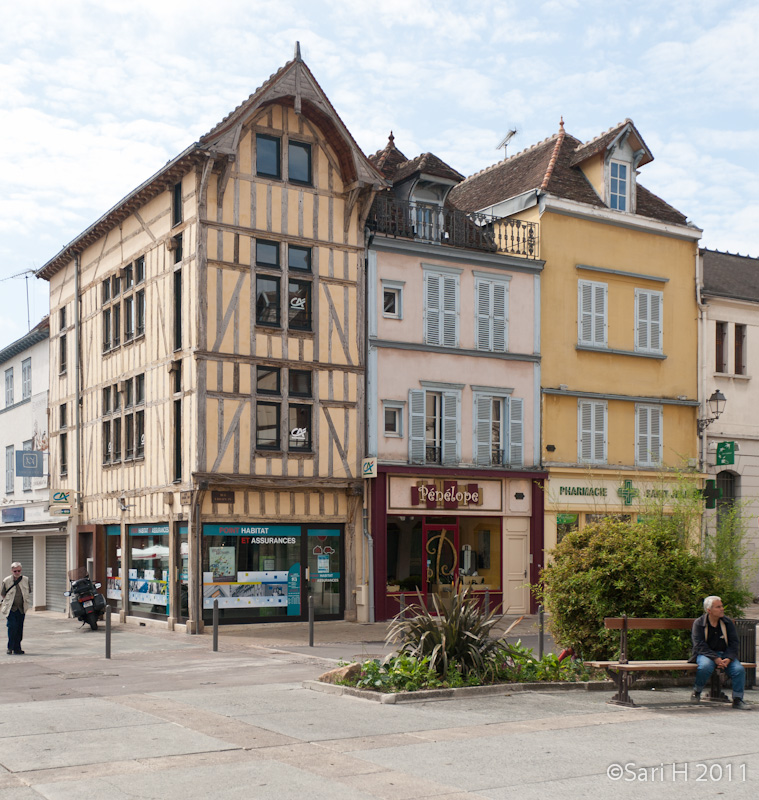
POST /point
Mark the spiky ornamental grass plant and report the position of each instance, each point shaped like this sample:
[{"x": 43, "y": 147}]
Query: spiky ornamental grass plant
[{"x": 460, "y": 637}]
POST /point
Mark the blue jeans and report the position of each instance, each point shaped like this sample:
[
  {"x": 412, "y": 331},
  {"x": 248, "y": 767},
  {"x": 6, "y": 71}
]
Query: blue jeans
[
  {"x": 15, "y": 630},
  {"x": 734, "y": 669}
]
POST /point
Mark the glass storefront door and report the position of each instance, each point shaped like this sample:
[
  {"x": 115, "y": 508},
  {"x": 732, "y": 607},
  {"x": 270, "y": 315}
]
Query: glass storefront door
[
  {"x": 149, "y": 569},
  {"x": 324, "y": 559},
  {"x": 441, "y": 548},
  {"x": 183, "y": 564},
  {"x": 113, "y": 566}
]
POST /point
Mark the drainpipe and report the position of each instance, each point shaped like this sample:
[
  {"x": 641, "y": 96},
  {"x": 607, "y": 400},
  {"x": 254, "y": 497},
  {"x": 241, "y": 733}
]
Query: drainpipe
[
  {"x": 702, "y": 322},
  {"x": 78, "y": 380},
  {"x": 368, "y": 295}
]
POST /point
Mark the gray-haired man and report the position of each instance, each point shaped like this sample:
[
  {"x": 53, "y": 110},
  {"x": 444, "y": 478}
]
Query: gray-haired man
[{"x": 16, "y": 601}]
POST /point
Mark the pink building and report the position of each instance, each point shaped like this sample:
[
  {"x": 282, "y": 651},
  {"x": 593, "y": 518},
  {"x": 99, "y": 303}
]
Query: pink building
[{"x": 453, "y": 387}]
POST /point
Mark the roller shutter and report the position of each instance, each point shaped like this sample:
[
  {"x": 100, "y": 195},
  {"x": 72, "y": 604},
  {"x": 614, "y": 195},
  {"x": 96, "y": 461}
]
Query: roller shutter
[
  {"x": 22, "y": 550},
  {"x": 56, "y": 582}
]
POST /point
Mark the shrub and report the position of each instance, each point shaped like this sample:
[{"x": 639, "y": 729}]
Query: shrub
[
  {"x": 400, "y": 673},
  {"x": 461, "y": 636},
  {"x": 612, "y": 568}
]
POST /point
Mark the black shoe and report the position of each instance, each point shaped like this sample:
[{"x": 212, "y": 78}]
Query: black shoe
[
  {"x": 739, "y": 703},
  {"x": 18, "y": 652},
  {"x": 695, "y": 697},
  {"x": 9, "y": 652}
]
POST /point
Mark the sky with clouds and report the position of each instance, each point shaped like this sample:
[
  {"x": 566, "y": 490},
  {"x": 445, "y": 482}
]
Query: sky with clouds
[{"x": 95, "y": 96}]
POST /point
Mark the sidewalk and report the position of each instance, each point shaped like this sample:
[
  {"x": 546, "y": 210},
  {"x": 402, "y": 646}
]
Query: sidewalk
[{"x": 167, "y": 717}]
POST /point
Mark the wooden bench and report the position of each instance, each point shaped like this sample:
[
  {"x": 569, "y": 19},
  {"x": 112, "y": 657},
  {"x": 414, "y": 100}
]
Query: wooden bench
[{"x": 624, "y": 672}]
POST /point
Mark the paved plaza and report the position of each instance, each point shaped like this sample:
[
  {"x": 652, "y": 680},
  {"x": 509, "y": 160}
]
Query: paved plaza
[{"x": 166, "y": 717}]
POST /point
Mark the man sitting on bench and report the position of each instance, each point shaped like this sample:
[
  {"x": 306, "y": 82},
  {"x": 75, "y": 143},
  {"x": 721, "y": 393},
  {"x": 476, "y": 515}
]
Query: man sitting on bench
[{"x": 715, "y": 644}]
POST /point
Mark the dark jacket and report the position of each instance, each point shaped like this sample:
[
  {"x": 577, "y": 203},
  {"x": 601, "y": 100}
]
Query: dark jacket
[{"x": 701, "y": 648}]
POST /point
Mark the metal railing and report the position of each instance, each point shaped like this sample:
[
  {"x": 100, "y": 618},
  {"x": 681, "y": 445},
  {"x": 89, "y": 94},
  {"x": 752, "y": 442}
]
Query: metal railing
[{"x": 450, "y": 226}]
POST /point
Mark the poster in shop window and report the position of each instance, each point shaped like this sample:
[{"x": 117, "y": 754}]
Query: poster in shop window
[{"x": 222, "y": 563}]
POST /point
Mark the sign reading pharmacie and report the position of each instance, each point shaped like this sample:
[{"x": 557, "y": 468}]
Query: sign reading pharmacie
[{"x": 606, "y": 492}]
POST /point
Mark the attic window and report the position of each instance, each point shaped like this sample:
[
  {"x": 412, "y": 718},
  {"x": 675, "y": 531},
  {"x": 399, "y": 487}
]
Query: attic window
[{"x": 618, "y": 186}]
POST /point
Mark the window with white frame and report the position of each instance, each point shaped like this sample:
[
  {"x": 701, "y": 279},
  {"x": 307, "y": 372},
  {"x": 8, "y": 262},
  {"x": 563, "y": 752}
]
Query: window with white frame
[
  {"x": 648, "y": 436},
  {"x": 9, "y": 387},
  {"x": 10, "y": 472},
  {"x": 591, "y": 313},
  {"x": 618, "y": 185},
  {"x": 498, "y": 429},
  {"x": 392, "y": 418},
  {"x": 492, "y": 314},
  {"x": 591, "y": 431},
  {"x": 26, "y": 378},
  {"x": 392, "y": 299},
  {"x": 648, "y": 321},
  {"x": 434, "y": 426},
  {"x": 441, "y": 308}
]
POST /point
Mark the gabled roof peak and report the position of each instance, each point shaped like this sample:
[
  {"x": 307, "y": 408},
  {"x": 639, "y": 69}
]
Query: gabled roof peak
[{"x": 613, "y": 129}]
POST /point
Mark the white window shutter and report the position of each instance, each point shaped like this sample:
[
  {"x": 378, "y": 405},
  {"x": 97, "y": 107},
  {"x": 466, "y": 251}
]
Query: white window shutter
[
  {"x": 655, "y": 435},
  {"x": 516, "y": 432},
  {"x": 599, "y": 433},
  {"x": 642, "y": 319},
  {"x": 450, "y": 428},
  {"x": 482, "y": 322},
  {"x": 432, "y": 309},
  {"x": 416, "y": 443},
  {"x": 655, "y": 337},
  {"x": 585, "y": 425},
  {"x": 642, "y": 434},
  {"x": 483, "y": 423},
  {"x": 500, "y": 317},
  {"x": 584, "y": 312},
  {"x": 450, "y": 311},
  {"x": 599, "y": 314}
]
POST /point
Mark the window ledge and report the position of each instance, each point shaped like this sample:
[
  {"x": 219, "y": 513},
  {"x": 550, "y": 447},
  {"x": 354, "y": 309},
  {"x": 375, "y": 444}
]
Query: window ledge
[
  {"x": 733, "y": 376},
  {"x": 612, "y": 351}
]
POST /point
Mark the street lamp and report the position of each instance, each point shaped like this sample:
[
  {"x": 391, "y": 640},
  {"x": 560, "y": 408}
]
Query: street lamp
[{"x": 716, "y": 406}]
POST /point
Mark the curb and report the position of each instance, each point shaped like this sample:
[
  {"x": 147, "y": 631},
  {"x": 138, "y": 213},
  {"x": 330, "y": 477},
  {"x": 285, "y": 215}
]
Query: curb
[{"x": 426, "y": 695}]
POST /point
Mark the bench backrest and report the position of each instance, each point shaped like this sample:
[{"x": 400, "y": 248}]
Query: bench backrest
[{"x": 654, "y": 624}]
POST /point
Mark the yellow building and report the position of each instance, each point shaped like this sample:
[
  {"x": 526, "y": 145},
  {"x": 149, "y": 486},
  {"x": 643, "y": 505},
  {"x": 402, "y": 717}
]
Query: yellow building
[
  {"x": 207, "y": 370},
  {"x": 619, "y": 337}
]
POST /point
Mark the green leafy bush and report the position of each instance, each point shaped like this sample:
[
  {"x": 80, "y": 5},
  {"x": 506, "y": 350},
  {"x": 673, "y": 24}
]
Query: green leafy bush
[
  {"x": 399, "y": 673},
  {"x": 461, "y": 635},
  {"x": 611, "y": 568},
  {"x": 519, "y": 665}
]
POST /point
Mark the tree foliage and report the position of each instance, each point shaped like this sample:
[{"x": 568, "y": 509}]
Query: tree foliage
[{"x": 642, "y": 569}]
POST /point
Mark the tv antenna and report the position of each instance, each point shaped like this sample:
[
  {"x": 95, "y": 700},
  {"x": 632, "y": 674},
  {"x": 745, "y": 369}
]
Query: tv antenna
[
  {"x": 25, "y": 274},
  {"x": 506, "y": 139}
]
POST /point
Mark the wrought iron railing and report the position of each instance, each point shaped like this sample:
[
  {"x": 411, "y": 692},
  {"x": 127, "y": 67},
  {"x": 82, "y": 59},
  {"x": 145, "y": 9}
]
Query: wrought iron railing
[
  {"x": 432, "y": 454},
  {"x": 453, "y": 227}
]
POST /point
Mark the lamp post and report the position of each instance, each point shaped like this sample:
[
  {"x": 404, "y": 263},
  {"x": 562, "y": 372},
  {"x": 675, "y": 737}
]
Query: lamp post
[{"x": 716, "y": 406}]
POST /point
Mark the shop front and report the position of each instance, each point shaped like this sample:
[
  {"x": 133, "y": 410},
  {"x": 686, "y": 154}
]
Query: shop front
[
  {"x": 437, "y": 530},
  {"x": 575, "y": 498},
  {"x": 261, "y": 573}
]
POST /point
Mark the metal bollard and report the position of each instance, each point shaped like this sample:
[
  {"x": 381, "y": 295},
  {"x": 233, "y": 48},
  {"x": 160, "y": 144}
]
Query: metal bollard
[
  {"x": 310, "y": 619},
  {"x": 107, "y": 631},
  {"x": 487, "y": 601},
  {"x": 402, "y": 604},
  {"x": 540, "y": 632},
  {"x": 216, "y": 625}
]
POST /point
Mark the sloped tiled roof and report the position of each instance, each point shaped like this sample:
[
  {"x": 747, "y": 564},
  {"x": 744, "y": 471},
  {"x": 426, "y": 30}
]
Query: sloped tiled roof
[
  {"x": 38, "y": 333},
  {"x": 601, "y": 142},
  {"x": 396, "y": 167},
  {"x": 550, "y": 166},
  {"x": 731, "y": 275}
]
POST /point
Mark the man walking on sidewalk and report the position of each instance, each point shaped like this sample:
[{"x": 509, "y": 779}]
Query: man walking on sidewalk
[{"x": 16, "y": 601}]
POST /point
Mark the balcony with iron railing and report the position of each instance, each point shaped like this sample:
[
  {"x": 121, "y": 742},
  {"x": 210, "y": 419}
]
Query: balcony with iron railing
[{"x": 452, "y": 227}]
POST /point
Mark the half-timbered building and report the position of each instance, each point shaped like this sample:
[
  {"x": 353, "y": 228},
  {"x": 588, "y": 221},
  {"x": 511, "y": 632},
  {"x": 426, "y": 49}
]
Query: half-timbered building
[{"x": 209, "y": 336}]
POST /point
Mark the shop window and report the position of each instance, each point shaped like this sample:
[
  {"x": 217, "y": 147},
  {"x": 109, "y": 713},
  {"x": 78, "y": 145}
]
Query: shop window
[
  {"x": 113, "y": 568},
  {"x": 405, "y": 564},
  {"x": 149, "y": 569},
  {"x": 565, "y": 523}
]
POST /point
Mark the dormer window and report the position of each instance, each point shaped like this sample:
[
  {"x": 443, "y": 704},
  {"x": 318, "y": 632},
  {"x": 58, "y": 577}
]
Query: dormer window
[{"x": 618, "y": 186}]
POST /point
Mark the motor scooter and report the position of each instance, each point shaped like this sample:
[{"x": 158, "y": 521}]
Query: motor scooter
[{"x": 87, "y": 604}]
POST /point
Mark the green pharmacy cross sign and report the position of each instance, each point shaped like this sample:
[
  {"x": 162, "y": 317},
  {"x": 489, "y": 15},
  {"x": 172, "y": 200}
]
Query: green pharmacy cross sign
[
  {"x": 627, "y": 493},
  {"x": 725, "y": 453}
]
